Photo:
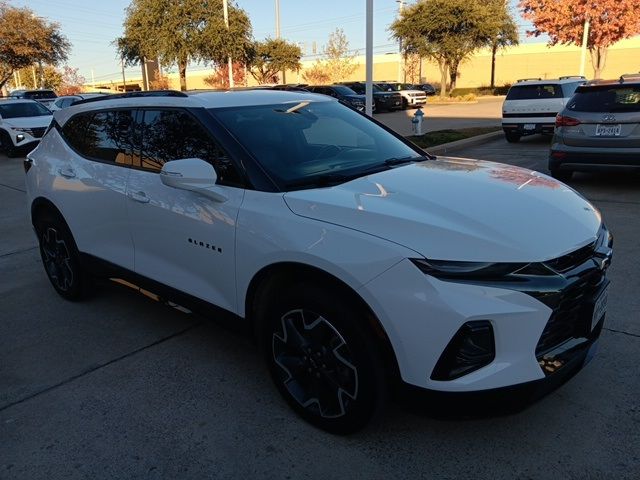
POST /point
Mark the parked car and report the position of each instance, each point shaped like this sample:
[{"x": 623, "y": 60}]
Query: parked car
[
  {"x": 426, "y": 88},
  {"x": 343, "y": 93},
  {"x": 44, "y": 96},
  {"x": 531, "y": 105},
  {"x": 348, "y": 250},
  {"x": 411, "y": 96},
  {"x": 67, "y": 100},
  {"x": 384, "y": 101},
  {"x": 598, "y": 129},
  {"x": 22, "y": 124}
]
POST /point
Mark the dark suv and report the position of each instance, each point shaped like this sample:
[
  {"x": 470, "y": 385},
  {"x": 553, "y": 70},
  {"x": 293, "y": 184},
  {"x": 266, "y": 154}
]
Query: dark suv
[
  {"x": 599, "y": 128},
  {"x": 46, "y": 97},
  {"x": 384, "y": 101},
  {"x": 342, "y": 93}
]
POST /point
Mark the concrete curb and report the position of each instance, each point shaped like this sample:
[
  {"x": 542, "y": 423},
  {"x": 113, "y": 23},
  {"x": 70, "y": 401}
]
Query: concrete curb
[{"x": 464, "y": 143}]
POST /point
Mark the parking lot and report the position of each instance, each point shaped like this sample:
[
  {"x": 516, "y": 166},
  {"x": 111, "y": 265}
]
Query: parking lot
[{"x": 120, "y": 386}]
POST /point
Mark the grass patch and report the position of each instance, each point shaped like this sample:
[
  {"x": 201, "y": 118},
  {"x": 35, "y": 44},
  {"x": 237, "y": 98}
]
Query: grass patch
[{"x": 438, "y": 137}]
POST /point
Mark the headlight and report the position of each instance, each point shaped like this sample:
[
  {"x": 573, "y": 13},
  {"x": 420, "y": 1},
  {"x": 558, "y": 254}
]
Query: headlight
[
  {"x": 18, "y": 129},
  {"x": 469, "y": 270}
]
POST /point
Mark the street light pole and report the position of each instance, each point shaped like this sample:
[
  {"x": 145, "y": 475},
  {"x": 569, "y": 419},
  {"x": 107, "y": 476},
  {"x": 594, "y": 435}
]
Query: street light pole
[
  {"x": 400, "y": 56},
  {"x": 277, "y": 6},
  {"x": 225, "y": 7},
  {"x": 583, "y": 49}
]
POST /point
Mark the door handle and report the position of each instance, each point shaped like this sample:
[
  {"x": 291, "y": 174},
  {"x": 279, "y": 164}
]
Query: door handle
[
  {"x": 138, "y": 197},
  {"x": 67, "y": 172}
]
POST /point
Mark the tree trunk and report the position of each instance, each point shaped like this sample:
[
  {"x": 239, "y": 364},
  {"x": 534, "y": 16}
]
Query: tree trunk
[
  {"x": 494, "y": 50},
  {"x": 598, "y": 60},
  {"x": 453, "y": 74},
  {"x": 444, "y": 73},
  {"x": 5, "y": 79},
  {"x": 182, "y": 69}
]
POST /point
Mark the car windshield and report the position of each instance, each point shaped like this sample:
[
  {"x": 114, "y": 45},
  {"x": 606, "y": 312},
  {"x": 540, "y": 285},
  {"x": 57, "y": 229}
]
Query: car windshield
[
  {"x": 359, "y": 88},
  {"x": 342, "y": 90},
  {"x": 534, "y": 92},
  {"x": 606, "y": 99},
  {"x": 305, "y": 145},
  {"x": 23, "y": 109}
]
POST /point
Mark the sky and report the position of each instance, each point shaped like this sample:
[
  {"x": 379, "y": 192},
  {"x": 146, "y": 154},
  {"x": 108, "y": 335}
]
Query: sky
[{"x": 91, "y": 26}]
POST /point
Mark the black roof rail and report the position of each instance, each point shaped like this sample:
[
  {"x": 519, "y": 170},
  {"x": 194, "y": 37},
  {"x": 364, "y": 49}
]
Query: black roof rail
[
  {"x": 151, "y": 93},
  {"x": 528, "y": 80},
  {"x": 567, "y": 77},
  {"x": 626, "y": 76}
]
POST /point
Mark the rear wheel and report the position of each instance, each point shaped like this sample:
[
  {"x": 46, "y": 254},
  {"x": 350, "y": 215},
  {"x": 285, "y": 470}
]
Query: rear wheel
[
  {"x": 60, "y": 257},
  {"x": 405, "y": 104},
  {"x": 562, "y": 175},
  {"x": 323, "y": 358},
  {"x": 512, "y": 137}
]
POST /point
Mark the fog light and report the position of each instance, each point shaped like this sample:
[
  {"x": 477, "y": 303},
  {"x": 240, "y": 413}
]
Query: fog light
[
  {"x": 19, "y": 137},
  {"x": 471, "y": 348}
]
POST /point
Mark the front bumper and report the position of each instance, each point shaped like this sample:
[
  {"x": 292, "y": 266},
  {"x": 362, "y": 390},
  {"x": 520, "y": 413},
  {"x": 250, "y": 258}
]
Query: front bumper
[
  {"x": 538, "y": 336},
  {"x": 25, "y": 138}
]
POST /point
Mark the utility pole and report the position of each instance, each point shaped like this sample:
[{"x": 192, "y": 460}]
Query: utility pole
[
  {"x": 277, "y": 5},
  {"x": 225, "y": 7},
  {"x": 124, "y": 81},
  {"x": 369, "y": 60},
  {"x": 400, "y": 53},
  {"x": 33, "y": 73},
  {"x": 583, "y": 49},
  {"x": 41, "y": 72}
]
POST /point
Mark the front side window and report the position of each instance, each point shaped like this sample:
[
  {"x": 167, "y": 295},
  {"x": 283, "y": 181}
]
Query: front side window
[
  {"x": 167, "y": 135},
  {"x": 300, "y": 145}
]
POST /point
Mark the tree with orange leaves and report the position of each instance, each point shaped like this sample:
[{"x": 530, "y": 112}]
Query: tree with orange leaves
[{"x": 564, "y": 20}]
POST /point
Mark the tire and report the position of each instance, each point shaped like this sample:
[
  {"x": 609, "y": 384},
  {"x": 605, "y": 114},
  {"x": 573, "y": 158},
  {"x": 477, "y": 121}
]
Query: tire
[
  {"x": 512, "y": 137},
  {"x": 562, "y": 175},
  {"x": 324, "y": 358},
  {"x": 60, "y": 257},
  {"x": 7, "y": 145},
  {"x": 405, "y": 104}
]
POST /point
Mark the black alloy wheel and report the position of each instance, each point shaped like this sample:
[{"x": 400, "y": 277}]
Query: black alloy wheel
[
  {"x": 324, "y": 360},
  {"x": 60, "y": 257}
]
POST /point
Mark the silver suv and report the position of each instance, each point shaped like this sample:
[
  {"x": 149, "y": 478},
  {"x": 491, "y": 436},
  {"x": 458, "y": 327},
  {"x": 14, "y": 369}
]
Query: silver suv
[{"x": 598, "y": 129}]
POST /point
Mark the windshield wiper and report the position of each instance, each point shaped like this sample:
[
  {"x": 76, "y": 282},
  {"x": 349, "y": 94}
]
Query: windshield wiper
[{"x": 390, "y": 162}]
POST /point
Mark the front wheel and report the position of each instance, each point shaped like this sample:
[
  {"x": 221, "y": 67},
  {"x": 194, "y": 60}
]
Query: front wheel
[
  {"x": 512, "y": 137},
  {"x": 7, "y": 145},
  {"x": 323, "y": 358},
  {"x": 60, "y": 257}
]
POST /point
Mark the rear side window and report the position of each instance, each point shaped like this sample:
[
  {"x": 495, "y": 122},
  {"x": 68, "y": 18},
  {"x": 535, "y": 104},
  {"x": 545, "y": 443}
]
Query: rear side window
[
  {"x": 570, "y": 88},
  {"x": 40, "y": 94},
  {"x": 174, "y": 134},
  {"x": 534, "y": 92},
  {"x": 606, "y": 99},
  {"x": 103, "y": 136}
]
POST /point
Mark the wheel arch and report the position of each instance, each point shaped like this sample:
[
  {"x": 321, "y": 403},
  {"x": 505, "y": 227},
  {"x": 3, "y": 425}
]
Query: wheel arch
[
  {"x": 40, "y": 205},
  {"x": 281, "y": 273}
]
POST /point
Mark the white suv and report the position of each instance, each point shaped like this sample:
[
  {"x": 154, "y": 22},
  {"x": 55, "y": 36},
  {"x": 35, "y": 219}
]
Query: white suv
[
  {"x": 532, "y": 104},
  {"x": 22, "y": 124},
  {"x": 359, "y": 261}
]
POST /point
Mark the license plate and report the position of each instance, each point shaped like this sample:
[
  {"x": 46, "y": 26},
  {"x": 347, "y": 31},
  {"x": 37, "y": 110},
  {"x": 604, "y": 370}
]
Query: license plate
[
  {"x": 608, "y": 130},
  {"x": 529, "y": 126},
  {"x": 599, "y": 308}
]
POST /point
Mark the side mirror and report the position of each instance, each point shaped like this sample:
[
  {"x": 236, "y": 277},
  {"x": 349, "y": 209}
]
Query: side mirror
[{"x": 193, "y": 174}]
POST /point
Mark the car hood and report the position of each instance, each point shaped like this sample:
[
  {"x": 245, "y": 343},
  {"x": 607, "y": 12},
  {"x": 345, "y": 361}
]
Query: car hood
[
  {"x": 28, "y": 122},
  {"x": 459, "y": 209}
]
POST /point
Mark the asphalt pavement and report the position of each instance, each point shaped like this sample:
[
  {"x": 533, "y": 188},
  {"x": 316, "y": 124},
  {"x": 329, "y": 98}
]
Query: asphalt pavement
[{"x": 120, "y": 386}]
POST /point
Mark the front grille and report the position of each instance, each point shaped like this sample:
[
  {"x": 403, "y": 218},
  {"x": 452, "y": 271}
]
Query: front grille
[
  {"x": 36, "y": 132},
  {"x": 571, "y": 260},
  {"x": 571, "y": 317}
]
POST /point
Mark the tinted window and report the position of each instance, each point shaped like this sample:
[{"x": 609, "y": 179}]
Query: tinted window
[
  {"x": 606, "y": 99},
  {"x": 322, "y": 138},
  {"x": 26, "y": 109},
  {"x": 74, "y": 131},
  {"x": 534, "y": 92},
  {"x": 342, "y": 90},
  {"x": 570, "y": 88},
  {"x": 108, "y": 137},
  {"x": 172, "y": 135},
  {"x": 37, "y": 94}
]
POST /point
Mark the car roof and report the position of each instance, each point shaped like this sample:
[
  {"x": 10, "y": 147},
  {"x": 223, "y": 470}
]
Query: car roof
[
  {"x": 19, "y": 100},
  {"x": 193, "y": 99},
  {"x": 547, "y": 81}
]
